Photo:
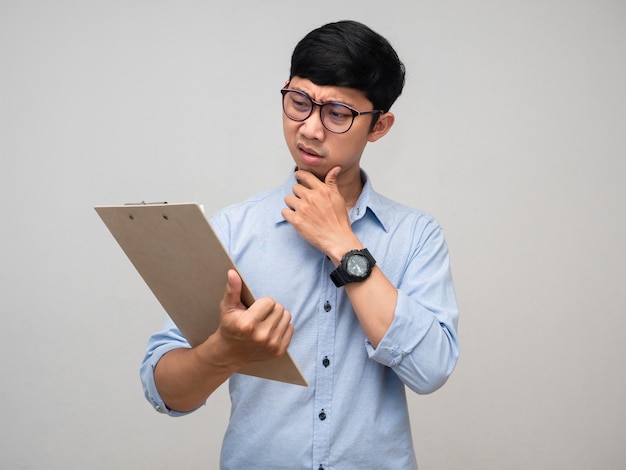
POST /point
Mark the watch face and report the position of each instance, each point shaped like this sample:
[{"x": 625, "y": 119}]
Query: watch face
[{"x": 357, "y": 265}]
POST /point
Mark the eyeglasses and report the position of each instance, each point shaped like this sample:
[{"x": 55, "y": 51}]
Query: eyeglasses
[{"x": 336, "y": 117}]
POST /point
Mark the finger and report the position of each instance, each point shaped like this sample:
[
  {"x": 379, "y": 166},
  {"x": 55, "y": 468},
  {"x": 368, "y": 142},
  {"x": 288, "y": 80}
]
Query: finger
[
  {"x": 279, "y": 318},
  {"x": 300, "y": 190},
  {"x": 232, "y": 292},
  {"x": 287, "y": 336},
  {"x": 267, "y": 327},
  {"x": 273, "y": 314},
  {"x": 261, "y": 310},
  {"x": 291, "y": 201},
  {"x": 282, "y": 332},
  {"x": 331, "y": 176},
  {"x": 306, "y": 179},
  {"x": 283, "y": 323}
]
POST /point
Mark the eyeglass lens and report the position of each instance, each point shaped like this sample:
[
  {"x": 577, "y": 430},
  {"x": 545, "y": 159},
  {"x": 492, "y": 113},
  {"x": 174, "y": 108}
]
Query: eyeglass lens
[{"x": 335, "y": 117}]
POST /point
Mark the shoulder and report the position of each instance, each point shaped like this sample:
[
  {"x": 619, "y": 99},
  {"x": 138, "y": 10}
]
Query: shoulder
[
  {"x": 395, "y": 216},
  {"x": 262, "y": 208}
]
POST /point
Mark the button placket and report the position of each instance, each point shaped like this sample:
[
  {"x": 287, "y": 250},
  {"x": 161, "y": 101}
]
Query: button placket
[{"x": 324, "y": 370}]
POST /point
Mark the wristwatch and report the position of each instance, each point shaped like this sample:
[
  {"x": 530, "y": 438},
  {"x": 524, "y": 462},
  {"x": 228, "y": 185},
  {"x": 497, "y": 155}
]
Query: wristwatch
[{"x": 355, "y": 266}]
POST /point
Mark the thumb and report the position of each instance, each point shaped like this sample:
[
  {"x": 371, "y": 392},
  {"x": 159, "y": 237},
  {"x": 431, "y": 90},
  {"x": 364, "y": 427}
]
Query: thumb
[
  {"x": 232, "y": 292},
  {"x": 331, "y": 176}
]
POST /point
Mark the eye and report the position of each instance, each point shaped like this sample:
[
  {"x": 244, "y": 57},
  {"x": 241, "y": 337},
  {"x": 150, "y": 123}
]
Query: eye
[
  {"x": 337, "y": 112},
  {"x": 300, "y": 101}
]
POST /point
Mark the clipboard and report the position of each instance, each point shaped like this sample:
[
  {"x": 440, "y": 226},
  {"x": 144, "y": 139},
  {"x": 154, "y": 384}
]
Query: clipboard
[{"x": 183, "y": 262}]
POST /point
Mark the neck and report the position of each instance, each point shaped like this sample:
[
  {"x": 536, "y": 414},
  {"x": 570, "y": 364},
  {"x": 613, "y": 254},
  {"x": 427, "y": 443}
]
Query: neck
[{"x": 350, "y": 189}]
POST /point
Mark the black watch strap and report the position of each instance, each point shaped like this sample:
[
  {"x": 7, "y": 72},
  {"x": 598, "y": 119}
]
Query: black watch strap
[{"x": 338, "y": 278}]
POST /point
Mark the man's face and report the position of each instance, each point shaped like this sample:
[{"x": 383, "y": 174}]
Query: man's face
[{"x": 316, "y": 149}]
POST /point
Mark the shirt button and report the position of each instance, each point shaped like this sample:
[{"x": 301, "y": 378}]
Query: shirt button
[
  {"x": 326, "y": 361},
  {"x": 327, "y": 306},
  {"x": 322, "y": 415}
]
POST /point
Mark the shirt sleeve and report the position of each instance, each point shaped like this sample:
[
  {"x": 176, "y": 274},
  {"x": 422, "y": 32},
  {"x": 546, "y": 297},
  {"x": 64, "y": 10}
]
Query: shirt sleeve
[
  {"x": 159, "y": 344},
  {"x": 421, "y": 345}
]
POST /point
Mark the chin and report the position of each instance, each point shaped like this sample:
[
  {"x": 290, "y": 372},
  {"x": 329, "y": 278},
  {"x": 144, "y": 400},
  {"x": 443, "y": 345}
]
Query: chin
[{"x": 320, "y": 174}]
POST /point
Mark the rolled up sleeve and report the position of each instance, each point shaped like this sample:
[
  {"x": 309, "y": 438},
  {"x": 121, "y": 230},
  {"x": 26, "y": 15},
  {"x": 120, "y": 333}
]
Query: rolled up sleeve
[
  {"x": 421, "y": 345},
  {"x": 159, "y": 344}
]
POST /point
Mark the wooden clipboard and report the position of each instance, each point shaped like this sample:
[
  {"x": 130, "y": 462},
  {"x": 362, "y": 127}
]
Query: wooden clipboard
[{"x": 183, "y": 262}]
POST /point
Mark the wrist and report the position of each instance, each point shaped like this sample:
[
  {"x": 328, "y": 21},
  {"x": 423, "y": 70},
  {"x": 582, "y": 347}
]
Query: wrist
[
  {"x": 216, "y": 352},
  {"x": 339, "y": 250}
]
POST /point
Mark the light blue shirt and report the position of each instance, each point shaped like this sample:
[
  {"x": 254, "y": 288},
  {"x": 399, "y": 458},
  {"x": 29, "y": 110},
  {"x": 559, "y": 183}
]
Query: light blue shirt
[{"x": 353, "y": 414}]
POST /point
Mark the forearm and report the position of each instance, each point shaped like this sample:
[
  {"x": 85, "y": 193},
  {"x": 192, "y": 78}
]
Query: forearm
[
  {"x": 412, "y": 330},
  {"x": 185, "y": 378},
  {"x": 374, "y": 302}
]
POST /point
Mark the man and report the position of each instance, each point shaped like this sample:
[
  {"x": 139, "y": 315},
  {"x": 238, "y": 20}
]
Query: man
[{"x": 357, "y": 286}]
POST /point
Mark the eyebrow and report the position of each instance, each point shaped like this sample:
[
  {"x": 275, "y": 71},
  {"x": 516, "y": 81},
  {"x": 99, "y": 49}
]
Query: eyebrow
[{"x": 324, "y": 102}]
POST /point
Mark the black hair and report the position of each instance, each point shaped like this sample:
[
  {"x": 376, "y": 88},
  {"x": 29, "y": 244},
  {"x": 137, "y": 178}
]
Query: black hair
[{"x": 350, "y": 54}]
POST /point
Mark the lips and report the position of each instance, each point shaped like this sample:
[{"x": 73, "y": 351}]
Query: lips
[
  {"x": 309, "y": 154},
  {"x": 308, "y": 150}
]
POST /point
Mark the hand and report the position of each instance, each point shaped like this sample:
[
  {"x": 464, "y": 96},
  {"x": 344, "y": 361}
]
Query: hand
[
  {"x": 258, "y": 333},
  {"x": 318, "y": 212}
]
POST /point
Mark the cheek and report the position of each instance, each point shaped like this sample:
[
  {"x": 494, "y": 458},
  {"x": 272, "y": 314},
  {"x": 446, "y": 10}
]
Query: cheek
[
  {"x": 347, "y": 152},
  {"x": 289, "y": 128},
  {"x": 289, "y": 133}
]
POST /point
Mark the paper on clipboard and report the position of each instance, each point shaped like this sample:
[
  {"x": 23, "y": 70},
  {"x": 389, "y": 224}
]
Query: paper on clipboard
[{"x": 183, "y": 262}]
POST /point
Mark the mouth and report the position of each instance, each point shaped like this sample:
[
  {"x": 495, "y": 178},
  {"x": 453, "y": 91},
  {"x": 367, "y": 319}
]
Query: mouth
[
  {"x": 308, "y": 154},
  {"x": 308, "y": 150}
]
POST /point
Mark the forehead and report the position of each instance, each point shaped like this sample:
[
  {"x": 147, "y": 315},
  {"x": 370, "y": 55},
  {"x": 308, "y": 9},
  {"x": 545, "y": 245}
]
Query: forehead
[{"x": 325, "y": 93}]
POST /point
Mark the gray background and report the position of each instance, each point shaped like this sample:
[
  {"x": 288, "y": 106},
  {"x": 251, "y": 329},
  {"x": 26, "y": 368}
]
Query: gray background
[{"x": 511, "y": 131}]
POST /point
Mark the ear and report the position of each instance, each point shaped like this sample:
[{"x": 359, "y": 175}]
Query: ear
[{"x": 382, "y": 126}]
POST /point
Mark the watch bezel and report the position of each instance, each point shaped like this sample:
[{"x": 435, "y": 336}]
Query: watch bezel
[{"x": 342, "y": 276}]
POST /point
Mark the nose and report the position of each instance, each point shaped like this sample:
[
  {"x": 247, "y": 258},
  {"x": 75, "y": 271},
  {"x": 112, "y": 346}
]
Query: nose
[{"x": 312, "y": 127}]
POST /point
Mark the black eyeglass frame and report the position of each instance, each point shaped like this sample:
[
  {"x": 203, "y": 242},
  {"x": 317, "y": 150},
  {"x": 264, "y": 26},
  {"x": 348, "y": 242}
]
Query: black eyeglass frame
[{"x": 354, "y": 112}]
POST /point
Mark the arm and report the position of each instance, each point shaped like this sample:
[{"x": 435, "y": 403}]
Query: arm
[
  {"x": 318, "y": 212},
  {"x": 411, "y": 328},
  {"x": 186, "y": 377},
  {"x": 421, "y": 344}
]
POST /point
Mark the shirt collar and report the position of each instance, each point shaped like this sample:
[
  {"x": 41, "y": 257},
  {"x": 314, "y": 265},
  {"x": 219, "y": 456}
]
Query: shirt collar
[{"x": 368, "y": 202}]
